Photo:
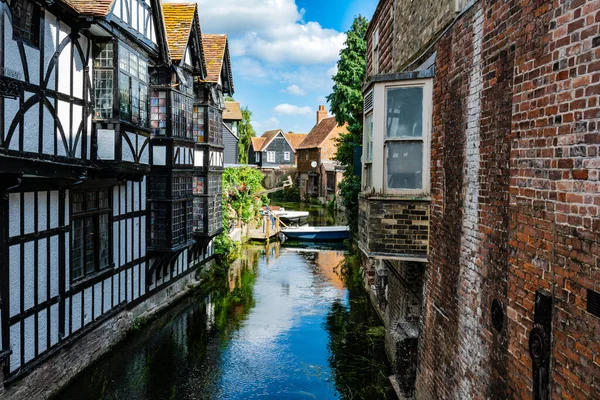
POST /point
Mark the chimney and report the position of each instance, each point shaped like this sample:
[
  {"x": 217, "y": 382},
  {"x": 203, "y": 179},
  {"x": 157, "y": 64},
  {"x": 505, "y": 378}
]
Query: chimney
[{"x": 322, "y": 114}]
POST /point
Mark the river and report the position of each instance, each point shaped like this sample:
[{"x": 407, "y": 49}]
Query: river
[{"x": 282, "y": 323}]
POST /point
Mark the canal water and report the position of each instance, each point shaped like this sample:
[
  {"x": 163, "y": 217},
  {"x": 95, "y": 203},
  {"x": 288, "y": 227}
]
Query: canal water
[{"x": 282, "y": 323}]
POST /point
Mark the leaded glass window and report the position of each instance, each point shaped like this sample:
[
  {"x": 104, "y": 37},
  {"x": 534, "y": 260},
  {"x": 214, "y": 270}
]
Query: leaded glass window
[
  {"x": 158, "y": 112},
  {"x": 26, "y": 22},
  {"x": 104, "y": 79},
  {"x": 133, "y": 87},
  {"x": 90, "y": 232}
]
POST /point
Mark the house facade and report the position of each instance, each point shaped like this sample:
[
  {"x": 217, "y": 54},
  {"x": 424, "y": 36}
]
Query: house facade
[
  {"x": 232, "y": 117},
  {"x": 479, "y": 208},
  {"x": 100, "y": 156},
  {"x": 273, "y": 150},
  {"x": 318, "y": 174}
]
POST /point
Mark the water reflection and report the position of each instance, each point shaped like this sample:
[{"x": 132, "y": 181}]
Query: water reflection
[{"x": 281, "y": 324}]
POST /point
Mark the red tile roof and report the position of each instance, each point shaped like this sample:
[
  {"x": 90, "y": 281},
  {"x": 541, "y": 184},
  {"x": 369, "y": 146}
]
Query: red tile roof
[
  {"x": 96, "y": 8},
  {"x": 179, "y": 19},
  {"x": 214, "y": 52},
  {"x": 232, "y": 111},
  {"x": 257, "y": 143},
  {"x": 295, "y": 139},
  {"x": 323, "y": 134}
]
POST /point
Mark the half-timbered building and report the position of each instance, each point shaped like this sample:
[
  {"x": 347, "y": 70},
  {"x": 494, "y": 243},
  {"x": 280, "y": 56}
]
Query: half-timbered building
[{"x": 102, "y": 107}]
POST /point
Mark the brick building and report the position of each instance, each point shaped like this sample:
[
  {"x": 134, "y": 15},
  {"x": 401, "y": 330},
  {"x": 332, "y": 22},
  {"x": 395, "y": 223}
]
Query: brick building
[
  {"x": 481, "y": 140},
  {"x": 319, "y": 175}
]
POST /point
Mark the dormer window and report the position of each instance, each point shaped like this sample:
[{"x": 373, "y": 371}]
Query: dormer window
[{"x": 26, "y": 22}]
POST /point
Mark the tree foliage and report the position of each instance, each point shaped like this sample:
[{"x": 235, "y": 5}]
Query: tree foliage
[
  {"x": 346, "y": 103},
  {"x": 246, "y": 133}
]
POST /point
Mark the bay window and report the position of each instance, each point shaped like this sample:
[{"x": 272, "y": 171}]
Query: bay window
[
  {"x": 104, "y": 79},
  {"x": 397, "y": 134},
  {"x": 133, "y": 87}
]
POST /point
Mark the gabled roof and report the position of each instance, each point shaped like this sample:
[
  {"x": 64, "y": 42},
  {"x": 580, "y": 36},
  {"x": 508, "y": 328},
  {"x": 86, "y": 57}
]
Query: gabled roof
[
  {"x": 257, "y": 143},
  {"x": 216, "y": 53},
  {"x": 95, "y": 8},
  {"x": 295, "y": 139},
  {"x": 179, "y": 20},
  {"x": 326, "y": 129},
  {"x": 232, "y": 111}
]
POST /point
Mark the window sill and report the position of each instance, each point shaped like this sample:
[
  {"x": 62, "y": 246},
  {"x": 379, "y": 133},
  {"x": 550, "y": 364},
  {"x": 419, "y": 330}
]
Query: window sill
[{"x": 92, "y": 278}]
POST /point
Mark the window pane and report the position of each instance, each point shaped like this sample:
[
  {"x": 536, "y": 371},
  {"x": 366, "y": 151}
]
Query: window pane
[
  {"x": 135, "y": 101},
  {"x": 90, "y": 245},
  {"x": 404, "y": 112},
  {"x": 91, "y": 199},
  {"x": 104, "y": 94},
  {"x": 77, "y": 249},
  {"x": 404, "y": 165},
  {"x": 124, "y": 59},
  {"x": 103, "y": 240},
  {"x": 369, "y": 139},
  {"x": 103, "y": 55},
  {"x": 124, "y": 97},
  {"x": 133, "y": 64},
  {"x": 78, "y": 203}
]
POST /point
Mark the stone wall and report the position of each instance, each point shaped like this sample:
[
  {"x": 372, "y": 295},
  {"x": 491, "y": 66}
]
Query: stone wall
[
  {"x": 515, "y": 201},
  {"x": 394, "y": 226},
  {"x": 59, "y": 369}
]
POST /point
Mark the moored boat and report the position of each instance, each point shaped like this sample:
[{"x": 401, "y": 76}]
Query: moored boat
[{"x": 317, "y": 233}]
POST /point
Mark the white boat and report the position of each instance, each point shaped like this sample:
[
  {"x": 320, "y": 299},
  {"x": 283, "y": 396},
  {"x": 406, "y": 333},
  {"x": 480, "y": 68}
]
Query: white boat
[
  {"x": 293, "y": 215},
  {"x": 317, "y": 233}
]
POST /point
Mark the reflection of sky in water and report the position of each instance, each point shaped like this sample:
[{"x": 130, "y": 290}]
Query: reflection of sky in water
[{"x": 281, "y": 349}]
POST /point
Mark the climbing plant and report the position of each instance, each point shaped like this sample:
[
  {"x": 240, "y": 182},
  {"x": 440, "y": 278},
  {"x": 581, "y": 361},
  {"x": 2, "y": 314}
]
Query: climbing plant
[{"x": 346, "y": 103}]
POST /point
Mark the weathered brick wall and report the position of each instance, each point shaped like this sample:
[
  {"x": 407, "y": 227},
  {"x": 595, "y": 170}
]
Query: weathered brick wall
[
  {"x": 383, "y": 20},
  {"x": 516, "y": 199},
  {"x": 417, "y": 24},
  {"x": 304, "y": 165},
  {"x": 394, "y": 226}
]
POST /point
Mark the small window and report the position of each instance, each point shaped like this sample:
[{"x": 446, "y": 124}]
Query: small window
[
  {"x": 306, "y": 155},
  {"x": 270, "y": 156},
  {"x": 286, "y": 156},
  {"x": 90, "y": 232},
  {"x": 376, "y": 51},
  {"x": 257, "y": 157},
  {"x": 368, "y": 151},
  {"x": 26, "y": 22}
]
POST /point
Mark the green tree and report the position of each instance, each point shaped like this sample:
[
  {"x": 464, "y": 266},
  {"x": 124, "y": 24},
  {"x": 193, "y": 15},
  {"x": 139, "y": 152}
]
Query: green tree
[
  {"x": 346, "y": 103},
  {"x": 246, "y": 133}
]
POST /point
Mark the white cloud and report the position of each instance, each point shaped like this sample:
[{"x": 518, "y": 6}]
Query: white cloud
[
  {"x": 295, "y": 90},
  {"x": 289, "y": 109},
  {"x": 270, "y": 30},
  {"x": 267, "y": 125},
  {"x": 292, "y": 43},
  {"x": 332, "y": 71}
]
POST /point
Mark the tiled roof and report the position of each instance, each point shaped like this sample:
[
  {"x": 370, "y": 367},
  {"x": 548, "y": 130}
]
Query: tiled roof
[
  {"x": 295, "y": 139},
  {"x": 232, "y": 111},
  {"x": 257, "y": 143},
  {"x": 96, "y": 8},
  {"x": 179, "y": 19},
  {"x": 326, "y": 129},
  {"x": 214, "y": 53}
]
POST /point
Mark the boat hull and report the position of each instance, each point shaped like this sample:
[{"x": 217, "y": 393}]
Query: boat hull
[{"x": 317, "y": 235}]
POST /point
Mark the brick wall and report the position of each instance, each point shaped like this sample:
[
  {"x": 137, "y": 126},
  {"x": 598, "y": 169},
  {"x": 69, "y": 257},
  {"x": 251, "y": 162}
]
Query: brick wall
[
  {"x": 417, "y": 24},
  {"x": 515, "y": 199},
  {"x": 393, "y": 226},
  {"x": 382, "y": 21},
  {"x": 304, "y": 164}
]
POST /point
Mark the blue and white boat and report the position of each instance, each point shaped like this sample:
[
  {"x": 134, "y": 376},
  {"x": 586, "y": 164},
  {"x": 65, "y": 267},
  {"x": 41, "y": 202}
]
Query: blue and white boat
[{"x": 317, "y": 233}]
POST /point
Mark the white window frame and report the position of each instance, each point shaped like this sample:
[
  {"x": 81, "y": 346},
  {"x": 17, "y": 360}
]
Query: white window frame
[
  {"x": 256, "y": 157},
  {"x": 270, "y": 156},
  {"x": 367, "y": 178},
  {"x": 286, "y": 156},
  {"x": 379, "y": 163}
]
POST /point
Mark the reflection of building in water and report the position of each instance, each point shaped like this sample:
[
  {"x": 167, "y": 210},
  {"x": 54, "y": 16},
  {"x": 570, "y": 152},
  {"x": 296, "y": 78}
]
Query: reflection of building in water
[
  {"x": 327, "y": 263},
  {"x": 210, "y": 311}
]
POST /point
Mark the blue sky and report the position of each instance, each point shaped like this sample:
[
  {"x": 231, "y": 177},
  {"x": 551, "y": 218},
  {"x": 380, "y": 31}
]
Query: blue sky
[{"x": 283, "y": 53}]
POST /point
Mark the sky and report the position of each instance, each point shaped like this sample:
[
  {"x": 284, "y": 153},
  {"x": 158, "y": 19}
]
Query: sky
[{"x": 284, "y": 53}]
